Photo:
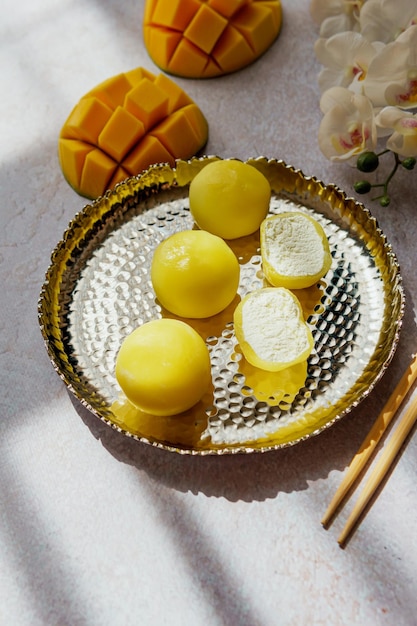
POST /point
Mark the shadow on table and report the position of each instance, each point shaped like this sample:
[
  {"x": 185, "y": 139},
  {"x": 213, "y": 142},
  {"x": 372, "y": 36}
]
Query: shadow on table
[
  {"x": 259, "y": 476},
  {"x": 247, "y": 477}
]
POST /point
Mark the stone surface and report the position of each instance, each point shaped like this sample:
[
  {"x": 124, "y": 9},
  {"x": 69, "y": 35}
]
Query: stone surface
[{"x": 97, "y": 529}]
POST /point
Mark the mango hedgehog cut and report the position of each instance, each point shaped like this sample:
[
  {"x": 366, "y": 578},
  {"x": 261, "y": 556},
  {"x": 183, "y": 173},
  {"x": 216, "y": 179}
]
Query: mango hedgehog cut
[
  {"x": 124, "y": 125},
  {"x": 208, "y": 38}
]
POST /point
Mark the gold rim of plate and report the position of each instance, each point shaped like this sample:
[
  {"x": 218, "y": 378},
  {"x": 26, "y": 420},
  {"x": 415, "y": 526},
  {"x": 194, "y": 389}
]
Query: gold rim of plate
[{"x": 97, "y": 290}]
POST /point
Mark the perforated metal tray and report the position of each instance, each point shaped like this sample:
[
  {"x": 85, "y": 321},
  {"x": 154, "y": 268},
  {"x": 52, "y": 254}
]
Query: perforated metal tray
[{"x": 98, "y": 289}]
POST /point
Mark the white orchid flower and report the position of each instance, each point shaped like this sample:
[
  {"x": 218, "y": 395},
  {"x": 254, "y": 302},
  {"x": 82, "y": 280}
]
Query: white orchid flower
[
  {"x": 385, "y": 20},
  {"x": 348, "y": 125},
  {"x": 345, "y": 58},
  {"x": 392, "y": 74},
  {"x": 336, "y": 16},
  {"x": 368, "y": 80},
  {"x": 403, "y": 140}
]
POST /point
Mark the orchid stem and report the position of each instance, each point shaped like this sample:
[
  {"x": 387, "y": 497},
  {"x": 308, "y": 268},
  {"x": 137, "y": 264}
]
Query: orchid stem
[
  {"x": 390, "y": 176},
  {"x": 383, "y": 152}
]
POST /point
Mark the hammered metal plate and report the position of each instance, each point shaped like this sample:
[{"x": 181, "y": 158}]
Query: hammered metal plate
[{"x": 98, "y": 289}]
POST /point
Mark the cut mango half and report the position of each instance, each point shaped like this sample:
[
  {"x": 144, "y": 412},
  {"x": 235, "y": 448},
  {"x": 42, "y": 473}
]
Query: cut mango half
[
  {"x": 208, "y": 38},
  {"x": 124, "y": 125}
]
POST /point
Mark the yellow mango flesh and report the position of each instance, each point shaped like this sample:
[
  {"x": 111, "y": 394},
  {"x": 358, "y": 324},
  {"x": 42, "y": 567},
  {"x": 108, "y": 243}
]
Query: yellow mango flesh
[
  {"x": 163, "y": 367},
  {"x": 123, "y": 126},
  {"x": 207, "y": 38}
]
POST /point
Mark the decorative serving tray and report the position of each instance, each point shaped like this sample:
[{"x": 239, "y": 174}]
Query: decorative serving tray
[{"x": 98, "y": 289}]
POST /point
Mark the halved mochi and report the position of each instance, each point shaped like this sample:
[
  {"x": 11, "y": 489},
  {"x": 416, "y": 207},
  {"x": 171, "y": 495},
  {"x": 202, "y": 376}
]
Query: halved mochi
[
  {"x": 271, "y": 331},
  {"x": 123, "y": 126},
  {"x": 295, "y": 250},
  {"x": 207, "y": 38}
]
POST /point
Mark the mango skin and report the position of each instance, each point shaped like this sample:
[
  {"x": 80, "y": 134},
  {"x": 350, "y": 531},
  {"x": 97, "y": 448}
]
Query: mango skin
[
  {"x": 208, "y": 38},
  {"x": 124, "y": 125}
]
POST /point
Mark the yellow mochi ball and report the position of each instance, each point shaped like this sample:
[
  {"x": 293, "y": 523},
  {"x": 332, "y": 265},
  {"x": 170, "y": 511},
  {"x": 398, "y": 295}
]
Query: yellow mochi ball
[
  {"x": 163, "y": 367},
  {"x": 295, "y": 250},
  {"x": 194, "y": 274},
  {"x": 229, "y": 198}
]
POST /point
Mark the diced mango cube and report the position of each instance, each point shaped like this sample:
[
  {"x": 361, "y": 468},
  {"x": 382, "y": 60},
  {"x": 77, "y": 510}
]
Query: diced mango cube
[
  {"x": 120, "y": 134},
  {"x": 275, "y": 11},
  {"x": 135, "y": 76},
  {"x": 177, "y": 133},
  {"x": 73, "y": 153},
  {"x": 162, "y": 42},
  {"x": 97, "y": 172},
  {"x": 112, "y": 91},
  {"x": 177, "y": 98},
  {"x": 150, "y": 8},
  {"x": 188, "y": 55},
  {"x": 256, "y": 23},
  {"x": 87, "y": 119},
  {"x": 150, "y": 150},
  {"x": 205, "y": 28},
  {"x": 174, "y": 13},
  {"x": 228, "y": 8},
  {"x": 147, "y": 102},
  {"x": 231, "y": 50},
  {"x": 196, "y": 121}
]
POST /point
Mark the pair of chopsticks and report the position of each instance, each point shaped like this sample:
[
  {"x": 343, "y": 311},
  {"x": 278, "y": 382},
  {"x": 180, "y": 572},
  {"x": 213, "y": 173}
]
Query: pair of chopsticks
[{"x": 368, "y": 446}]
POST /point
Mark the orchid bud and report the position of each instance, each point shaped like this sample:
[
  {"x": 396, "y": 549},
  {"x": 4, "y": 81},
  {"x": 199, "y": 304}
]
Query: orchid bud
[
  {"x": 367, "y": 162},
  {"x": 408, "y": 163},
  {"x": 362, "y": 186}
]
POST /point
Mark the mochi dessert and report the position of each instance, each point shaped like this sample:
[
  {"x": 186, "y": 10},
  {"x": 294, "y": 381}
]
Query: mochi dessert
[
  {"x": 229, "y": 198},
  {"x": 194, "y": 274},
  {"x": 270, "y": 329},
  {"x": 295, "y": 250},
  {"x": 163, "y": 367}
]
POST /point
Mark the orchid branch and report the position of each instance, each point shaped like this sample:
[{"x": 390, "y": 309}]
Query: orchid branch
[{"x": 369, "y": 162}]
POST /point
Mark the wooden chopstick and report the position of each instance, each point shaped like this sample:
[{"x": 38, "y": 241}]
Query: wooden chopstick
[
  {"x": 381, "y": 468},
  {"x": 371, "y": 440}
]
